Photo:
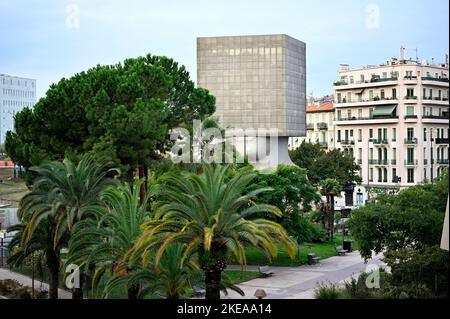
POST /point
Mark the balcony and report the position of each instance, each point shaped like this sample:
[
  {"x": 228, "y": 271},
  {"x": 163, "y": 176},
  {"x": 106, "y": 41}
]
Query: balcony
[
  {"x": 355, "y": 119},
  {"x": 407, "y": 117},
  {"x": 435, "y": 100},
  {"x": 425, "y": 161},
  {"x": 379, "y": 141},
  {"x": 442, "y": 161},
  {"x": 411, "y": 141},
  {"x": 323, "y": 144},
  {"x": 411, "y": 98},
  {"x": 410, "y": 162},
  {"x": 322, "y": 126},
  {"x": 366, "y": 102},
  {"x": 394, "y": 162},
  {"x": 432, "y": 78},
  {"x": 310, "y": 126},
  {"x": 342, "y": 84},
  {"x": 378, "y": 162},
  {"x": 347, "y": 142},
  {"x": 431, "y": 116},
  {"x": 441, "y": 141},
  {"x": 359, "y": 161}
]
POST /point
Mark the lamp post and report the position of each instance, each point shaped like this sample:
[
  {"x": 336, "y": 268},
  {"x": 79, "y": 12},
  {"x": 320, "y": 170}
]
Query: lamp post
[
  {"x": 431, "y": 157},
  {"x": 368, "y": 169}
]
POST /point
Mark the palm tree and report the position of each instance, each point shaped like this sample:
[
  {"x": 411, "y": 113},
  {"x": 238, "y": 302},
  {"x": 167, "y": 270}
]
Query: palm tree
[
  {"x": 107, "y": 237},
  {"x": 330, "y": 188},
  {"x": 40, "y": 242},
  {"x": 66, "y": 192},
  {"x": 169, "y": 279},
  {"x": 209, "y": 214}
]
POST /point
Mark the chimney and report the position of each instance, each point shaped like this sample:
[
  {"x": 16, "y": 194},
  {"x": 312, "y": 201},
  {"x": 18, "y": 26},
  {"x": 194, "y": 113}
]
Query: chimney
[{"x": 402, "y": 53}]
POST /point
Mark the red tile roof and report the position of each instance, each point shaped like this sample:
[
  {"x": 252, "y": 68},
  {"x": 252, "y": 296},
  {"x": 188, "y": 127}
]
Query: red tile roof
[{"x": 327, "y": 107}]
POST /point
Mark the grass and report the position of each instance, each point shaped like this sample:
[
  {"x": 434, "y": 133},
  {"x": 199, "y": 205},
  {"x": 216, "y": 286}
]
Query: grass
[
  {"x": 322, "y": 250},
  {"x": 11, "y": 191},
  {"x": 237, "y": 276}
]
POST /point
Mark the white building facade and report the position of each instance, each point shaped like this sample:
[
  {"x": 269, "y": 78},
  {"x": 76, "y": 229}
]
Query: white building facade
[
  {"x": 319, "y": 127},
  {"x": 15, "y": 94},
  {"x": 394, "y": 118}
]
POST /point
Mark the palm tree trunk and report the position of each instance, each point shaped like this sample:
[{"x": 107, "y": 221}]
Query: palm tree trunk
[
  {"x": 133, "y": 292},
  {"x": 52, "y": 260},
  {"x": 143, "y": 190},
  {"x": 32, "y": 282},
  {"x": 212, "y": 284},
  {"x": 77, "y": 293},
  {"x": 332, "y": 217}
]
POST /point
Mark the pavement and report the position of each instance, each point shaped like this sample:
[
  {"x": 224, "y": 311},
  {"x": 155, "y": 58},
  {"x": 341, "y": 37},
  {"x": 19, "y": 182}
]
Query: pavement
[
  {"x": 300, "y": 282},
  {"x": 26, "y": 281}
]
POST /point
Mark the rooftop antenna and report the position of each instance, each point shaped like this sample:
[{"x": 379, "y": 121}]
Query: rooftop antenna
[{"x": 417, "y": 55}]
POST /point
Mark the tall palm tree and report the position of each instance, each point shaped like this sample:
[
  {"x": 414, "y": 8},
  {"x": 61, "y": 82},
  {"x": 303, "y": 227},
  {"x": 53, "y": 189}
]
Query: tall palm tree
[
  {"x": 40, "y": 242},
  {"x": 330, "y": 188},
  {"x": 107, "y": 237},
  {"x": 67, "y": 193},
  {"x": 209, "y": 214}
]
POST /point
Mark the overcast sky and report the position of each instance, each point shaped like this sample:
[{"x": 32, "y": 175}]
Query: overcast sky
[{"x": 45, "y": 40}]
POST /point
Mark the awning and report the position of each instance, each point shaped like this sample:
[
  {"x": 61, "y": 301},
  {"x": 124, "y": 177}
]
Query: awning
[
  {"x": 384, "y": 110},
  {"x": 359, "y": 91}
]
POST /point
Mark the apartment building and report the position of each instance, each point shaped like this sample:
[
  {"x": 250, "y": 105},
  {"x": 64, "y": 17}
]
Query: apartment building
[
  {"x": 394, "y": 119},
  {"x": 15, "y": 94},
  {"x": 319, "y": 126}
]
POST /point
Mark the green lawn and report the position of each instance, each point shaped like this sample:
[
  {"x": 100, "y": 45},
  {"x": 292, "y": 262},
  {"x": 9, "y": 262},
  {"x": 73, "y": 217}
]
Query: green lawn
[
  {"x": 238, "y": 276},
  {"x": 322, "y": 250}
]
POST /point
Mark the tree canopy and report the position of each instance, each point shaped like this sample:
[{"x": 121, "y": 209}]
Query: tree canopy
[
  {"x": 321, "y": 165},
  {"x": 412, "y": 219},
  {"x": 121, "y": 111}
]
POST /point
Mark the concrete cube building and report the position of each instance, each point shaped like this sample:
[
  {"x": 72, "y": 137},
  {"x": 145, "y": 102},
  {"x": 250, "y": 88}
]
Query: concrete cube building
[{"x": 259, "y": 83}]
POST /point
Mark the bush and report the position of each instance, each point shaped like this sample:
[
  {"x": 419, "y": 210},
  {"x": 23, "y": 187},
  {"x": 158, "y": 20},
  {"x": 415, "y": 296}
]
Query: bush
[
  {"x": 331, "y": 291},
  {"x": 304, "y": 231}
]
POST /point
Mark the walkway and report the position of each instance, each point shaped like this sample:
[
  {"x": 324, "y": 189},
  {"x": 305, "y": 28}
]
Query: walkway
[
  {"x": 300, "y": 282},
  {"x": 26, "y": 281}
]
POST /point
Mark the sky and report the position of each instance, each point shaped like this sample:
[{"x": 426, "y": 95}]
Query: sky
[{"x": 50, "y": 39}]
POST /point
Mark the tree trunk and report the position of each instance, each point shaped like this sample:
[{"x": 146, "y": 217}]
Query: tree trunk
[
  {"x": 143, "y": 190},
  {"x": 52, "y": 259},
  {"x": 32, "y": 282},
  {"x": 212, "y": 284},
  {"x": 133, "y": 292},
  {"x": 77, "y": 293},
  {"x": 331, "y": 217}
]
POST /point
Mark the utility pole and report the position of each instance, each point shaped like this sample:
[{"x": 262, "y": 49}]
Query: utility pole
[{"x": 368, "y": 170}]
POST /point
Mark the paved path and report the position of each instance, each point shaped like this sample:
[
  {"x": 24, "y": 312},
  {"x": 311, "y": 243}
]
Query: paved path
[
  {"x": 26, "y": 281},
  {"x": 300, "y": 282}
]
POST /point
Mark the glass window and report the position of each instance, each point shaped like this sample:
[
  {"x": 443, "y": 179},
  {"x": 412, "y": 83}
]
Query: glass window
[
  {"x": 410, "y": 175},
  {"x": 410, "y": 110},
  {"x": 394, "y": 134}
]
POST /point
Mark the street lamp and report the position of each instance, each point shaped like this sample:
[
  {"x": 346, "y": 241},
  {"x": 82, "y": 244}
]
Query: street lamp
[
  {"x": 260, "y": 293},
  {"x": 368, "y": 169}
]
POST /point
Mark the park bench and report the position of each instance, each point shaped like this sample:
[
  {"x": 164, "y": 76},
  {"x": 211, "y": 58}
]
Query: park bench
[
  {"x": 313, "y": 259},
  {"x": 341, "y": 251},
  {"x": 264, "y": 272}
]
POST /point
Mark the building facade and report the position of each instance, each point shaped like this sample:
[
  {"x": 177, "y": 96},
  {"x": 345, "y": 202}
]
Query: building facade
[
  {"x": 319, "y": 126},
  {"x": 259, "y": 83},
  {"x": 15, "y": 94},
  {"x": 393, "y": 118}
]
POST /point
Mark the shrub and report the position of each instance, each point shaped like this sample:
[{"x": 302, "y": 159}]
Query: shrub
[
  {"x": 331, "y": 291},
  {"x": 304, "y": 231}
]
